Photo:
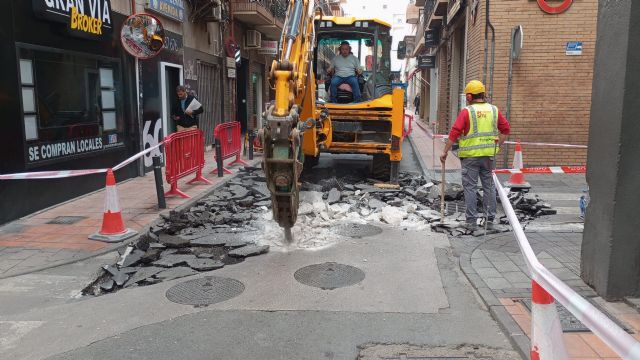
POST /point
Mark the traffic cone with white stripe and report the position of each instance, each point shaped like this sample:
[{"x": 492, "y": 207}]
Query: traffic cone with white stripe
[
  {"x": 113, "y": 229},
  {"x": 516, "y": 181},
  {"x": 546, "y": 332}
]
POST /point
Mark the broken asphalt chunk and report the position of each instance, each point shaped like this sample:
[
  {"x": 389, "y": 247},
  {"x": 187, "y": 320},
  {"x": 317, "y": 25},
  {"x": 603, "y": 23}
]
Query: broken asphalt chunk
[
  {"x": 173, "y": 241},
  {"x": 205, "y": 264},
  {"x": 249, "y": 251},
  {"x": 175, "y": 273}
]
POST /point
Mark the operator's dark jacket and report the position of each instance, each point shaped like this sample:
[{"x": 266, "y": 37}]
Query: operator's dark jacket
[{"x": 184, "y": 119}]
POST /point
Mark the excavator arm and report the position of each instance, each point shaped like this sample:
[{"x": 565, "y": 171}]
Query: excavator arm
[{"x": 295, "y": 92}]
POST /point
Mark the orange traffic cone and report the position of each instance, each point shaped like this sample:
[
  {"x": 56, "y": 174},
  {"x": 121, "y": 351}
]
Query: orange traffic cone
[
  {"x": 113, "y": 229},
  {"x": 546, "y": 330},
  {"x": 516, "y": 181}
]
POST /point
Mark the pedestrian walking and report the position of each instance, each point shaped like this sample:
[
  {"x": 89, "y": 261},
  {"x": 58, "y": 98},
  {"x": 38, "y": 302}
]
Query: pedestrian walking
[
  {"x": 185, "y": 110},
  {"x": 416, "y": 104},
  {"x": 478, "y": 126}
]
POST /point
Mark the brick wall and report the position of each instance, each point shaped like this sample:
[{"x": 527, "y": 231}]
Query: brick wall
[{"x": 551, "y": 91}]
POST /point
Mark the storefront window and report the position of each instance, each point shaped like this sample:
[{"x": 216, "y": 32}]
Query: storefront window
[
  {"x": 71, "y": 104},
  {"x": 68, "y": 95}
]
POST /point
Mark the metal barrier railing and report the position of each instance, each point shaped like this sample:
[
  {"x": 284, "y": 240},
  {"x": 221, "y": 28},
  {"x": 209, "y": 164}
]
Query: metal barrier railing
[
  {"x": 546, "y": 335},
  {"x": 230, "y": 140},
  {"x": 185, "y": 155}
]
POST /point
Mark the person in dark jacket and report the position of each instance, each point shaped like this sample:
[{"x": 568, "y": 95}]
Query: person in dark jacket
[
  {"x": 185, "y": 118},
  {"x": 416, "y": 104}
]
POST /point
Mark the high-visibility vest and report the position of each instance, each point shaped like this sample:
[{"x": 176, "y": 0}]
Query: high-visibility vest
[{"x": 483, "y": 130}]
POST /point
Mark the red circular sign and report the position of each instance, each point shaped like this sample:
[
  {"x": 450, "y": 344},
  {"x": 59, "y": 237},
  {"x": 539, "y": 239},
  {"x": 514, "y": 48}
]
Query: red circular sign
[{"x": 554, "y": 9}]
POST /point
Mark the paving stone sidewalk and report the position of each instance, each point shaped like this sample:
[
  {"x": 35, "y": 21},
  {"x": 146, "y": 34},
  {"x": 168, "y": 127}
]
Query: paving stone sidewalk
[
  {"x": 34, "y": 242},
  {"x": 496, "y": 268}
]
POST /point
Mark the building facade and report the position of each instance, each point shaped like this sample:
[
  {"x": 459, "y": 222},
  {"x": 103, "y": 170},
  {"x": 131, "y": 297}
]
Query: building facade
[
  {"x": 545, "y": 90},
  {"x": 73, "y": 98}
]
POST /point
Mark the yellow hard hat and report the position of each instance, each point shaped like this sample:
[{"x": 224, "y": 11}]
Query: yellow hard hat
[{"x": 474, "y": 87}]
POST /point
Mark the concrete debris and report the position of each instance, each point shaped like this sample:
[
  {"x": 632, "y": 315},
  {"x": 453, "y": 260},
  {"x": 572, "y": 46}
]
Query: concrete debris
[
  {"x": 392, "y": 215},
  {"x": 107, "y": 285},
  {"x": 334, "y": 196}
]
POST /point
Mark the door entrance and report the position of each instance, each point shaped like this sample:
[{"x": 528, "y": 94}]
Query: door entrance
[{"x": 170, "y": 77}]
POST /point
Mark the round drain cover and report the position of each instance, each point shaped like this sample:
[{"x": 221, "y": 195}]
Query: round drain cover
[
  {"x": 357, "y": 230},
  {"x": 205, "y": 291},
  {"x": 329, "y": 275}
]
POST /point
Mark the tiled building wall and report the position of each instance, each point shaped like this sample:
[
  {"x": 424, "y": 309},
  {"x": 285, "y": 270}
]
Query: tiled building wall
[{"x": 551, "y": 90}]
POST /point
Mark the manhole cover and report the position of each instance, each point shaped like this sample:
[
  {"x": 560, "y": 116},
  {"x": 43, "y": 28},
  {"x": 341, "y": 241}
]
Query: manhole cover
[
  {"x": 66, "y": 220},
  {"x": 357, "y": 230},
  {"x": 329, "y": 275},
  {"x": 570, "y": 323},
  {"x": 205, "y": 291}
]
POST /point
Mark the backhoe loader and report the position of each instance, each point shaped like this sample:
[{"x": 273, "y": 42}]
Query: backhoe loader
[{"x": 303, "y": 123}]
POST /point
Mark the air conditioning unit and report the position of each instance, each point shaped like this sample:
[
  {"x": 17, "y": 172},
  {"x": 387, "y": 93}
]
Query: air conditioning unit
[
  {"x": 253, "y": 39},
  {"x": 215, "y": 13}
]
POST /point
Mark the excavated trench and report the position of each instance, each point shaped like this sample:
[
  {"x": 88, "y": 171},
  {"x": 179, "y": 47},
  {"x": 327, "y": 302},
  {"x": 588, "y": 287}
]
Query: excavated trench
[{"x": 336, "y": 203}]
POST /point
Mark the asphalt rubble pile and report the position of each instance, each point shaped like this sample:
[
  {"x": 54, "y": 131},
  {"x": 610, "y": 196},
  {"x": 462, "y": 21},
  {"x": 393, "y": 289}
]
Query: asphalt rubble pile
[
  {"x": 216, "y": 231},
  {"x": 527, "y": 207},
  {"x": 236, "y": 221}
]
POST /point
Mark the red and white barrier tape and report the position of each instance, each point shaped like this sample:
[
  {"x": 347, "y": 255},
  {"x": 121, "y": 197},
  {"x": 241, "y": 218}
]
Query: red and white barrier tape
[
  {"x": 547, "y": 144},
  {"x": 57, "y": 174},
  {"x": 609, "y": 332},
  {"x": 545, "y": 170}
]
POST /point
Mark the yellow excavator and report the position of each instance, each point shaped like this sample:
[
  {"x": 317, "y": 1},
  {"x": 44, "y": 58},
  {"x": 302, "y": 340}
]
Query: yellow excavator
[{"x": 303, "y": 122}]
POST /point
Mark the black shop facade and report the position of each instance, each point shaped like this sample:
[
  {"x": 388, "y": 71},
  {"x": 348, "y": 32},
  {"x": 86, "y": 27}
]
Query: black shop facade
[{"x": 67, "y": 99}]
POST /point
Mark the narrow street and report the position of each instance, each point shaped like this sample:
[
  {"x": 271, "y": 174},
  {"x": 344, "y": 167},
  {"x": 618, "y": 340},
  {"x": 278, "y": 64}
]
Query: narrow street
[{"x": 413, "y": 292}]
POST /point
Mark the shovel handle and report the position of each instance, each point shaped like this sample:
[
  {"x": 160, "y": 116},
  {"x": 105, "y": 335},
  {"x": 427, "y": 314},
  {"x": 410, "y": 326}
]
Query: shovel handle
[{"x": 442, "y": 192}]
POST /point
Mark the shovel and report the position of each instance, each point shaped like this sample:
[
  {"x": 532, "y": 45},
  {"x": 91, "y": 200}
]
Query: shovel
[{"x": 442, "y": 213}]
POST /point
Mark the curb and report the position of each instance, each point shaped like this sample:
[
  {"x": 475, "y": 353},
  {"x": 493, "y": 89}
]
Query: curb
[
  {"x": 421, "y": 162},
  {"x": 518, "y": 339},
  {"x": 146, "y": 228}
]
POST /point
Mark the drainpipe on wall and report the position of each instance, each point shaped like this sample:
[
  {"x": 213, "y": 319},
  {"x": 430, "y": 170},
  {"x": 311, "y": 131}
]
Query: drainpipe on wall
[
  {"x": 488, "y": 26},
  {"x": 466, "y": 49}
]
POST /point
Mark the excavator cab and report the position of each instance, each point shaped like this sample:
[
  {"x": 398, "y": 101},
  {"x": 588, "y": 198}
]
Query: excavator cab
[
  {"x": 371, "y": 126},
  {"x": 370, "y": 43}
]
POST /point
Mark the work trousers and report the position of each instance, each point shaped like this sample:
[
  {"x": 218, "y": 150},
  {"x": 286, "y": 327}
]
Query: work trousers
[
  {"x": 472, "y": 167},
  {"x": 351, "y": 80}
]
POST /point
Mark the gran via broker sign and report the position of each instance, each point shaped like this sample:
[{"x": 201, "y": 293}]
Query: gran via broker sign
[{"x": 84, "y": 18}]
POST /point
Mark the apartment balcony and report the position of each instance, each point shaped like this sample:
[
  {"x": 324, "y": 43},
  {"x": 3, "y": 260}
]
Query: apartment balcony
[
  {"x": 435, "y": 10},
  {"x": 266, "y": 16},
  {"x": 413, "y": 14}
]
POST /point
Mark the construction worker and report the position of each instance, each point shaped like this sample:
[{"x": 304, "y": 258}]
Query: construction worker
[{"x": 478, "y": 126}]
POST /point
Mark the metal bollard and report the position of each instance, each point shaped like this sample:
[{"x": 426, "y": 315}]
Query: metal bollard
[
  {"x": 219, "y": 162},
  {"x": 252, "y": 136},
  {"x": 157, "y": 173}
]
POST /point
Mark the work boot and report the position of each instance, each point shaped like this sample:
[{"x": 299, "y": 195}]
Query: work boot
[{"x": 470, "y": 226}]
